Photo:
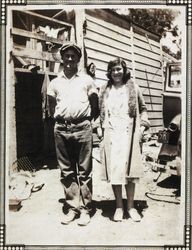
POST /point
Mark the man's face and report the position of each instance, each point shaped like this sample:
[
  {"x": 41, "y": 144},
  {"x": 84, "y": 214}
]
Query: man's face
[{"x": 70, "y": 59}]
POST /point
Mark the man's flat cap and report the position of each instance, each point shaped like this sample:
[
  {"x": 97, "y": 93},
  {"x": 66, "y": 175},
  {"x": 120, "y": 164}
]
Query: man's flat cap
[{"x": 71, "y": 46}]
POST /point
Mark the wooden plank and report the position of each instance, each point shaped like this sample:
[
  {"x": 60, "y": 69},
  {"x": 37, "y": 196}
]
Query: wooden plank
[
  {"x": 155, "y": 99},
  {"x": 155, "y": 115},
  {"x": 156, "y": 122},
  {"x": 147, "y": 54},
  {"x": 154, "y": 92},
  {"x": 147, "y": 61},
  {"x": 93, "y": 35},
  {"x": 151, "y": 69},
  {"x": 151, "y": 77},
  {"x": 147, "y": 46},
  {"x": 100, "y": 65},
  {"x": 144, "y": 39},
  {"x": 107, "y": 49},
  {"x": 154, "y": 107},
  {"x": 108, "y": 26},
  {"x": 99, "y": 55},
  {"x": 40, "y": 55},
  {"x": 25, "y": 33},
  {"x": 143, "y": 83},
  {"x": 49, "y": 19},
  {"x": 115, "y": 34},
  {"x": 10, "y": 147}
]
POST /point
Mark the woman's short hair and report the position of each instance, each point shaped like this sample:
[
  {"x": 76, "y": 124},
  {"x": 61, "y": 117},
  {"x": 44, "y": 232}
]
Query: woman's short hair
[{"x": 126, "y": 72}]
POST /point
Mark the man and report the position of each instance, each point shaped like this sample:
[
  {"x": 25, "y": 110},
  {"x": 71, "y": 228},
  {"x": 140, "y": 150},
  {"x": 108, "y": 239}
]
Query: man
[{"x": 74, "y": 103}]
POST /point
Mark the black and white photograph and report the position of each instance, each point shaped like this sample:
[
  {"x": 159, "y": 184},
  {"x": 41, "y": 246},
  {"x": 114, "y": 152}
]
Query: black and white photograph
[{"x": 95, "y": 125}]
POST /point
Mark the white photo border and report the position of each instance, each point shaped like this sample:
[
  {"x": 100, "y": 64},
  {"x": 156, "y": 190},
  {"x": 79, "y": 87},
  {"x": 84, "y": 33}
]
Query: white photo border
[{"x": 187, "y": 111}]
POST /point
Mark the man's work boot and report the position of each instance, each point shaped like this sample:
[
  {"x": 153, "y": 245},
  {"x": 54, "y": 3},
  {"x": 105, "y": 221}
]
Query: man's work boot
[
  {"x": 84, "y": 218},
  {"x": 69, "y": 217}
]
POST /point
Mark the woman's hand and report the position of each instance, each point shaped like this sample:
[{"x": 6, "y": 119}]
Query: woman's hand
[{"x": 100, "y": 132}]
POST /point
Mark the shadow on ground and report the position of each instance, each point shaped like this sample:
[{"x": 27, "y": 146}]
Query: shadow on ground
[
  {"x": 172, "y": 182},
  {"x": 107, "y": 207}
]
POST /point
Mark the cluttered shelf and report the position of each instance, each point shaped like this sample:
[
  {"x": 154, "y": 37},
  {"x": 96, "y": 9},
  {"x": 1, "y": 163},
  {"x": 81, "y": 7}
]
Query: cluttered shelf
[{"x": 38, "y": 71}]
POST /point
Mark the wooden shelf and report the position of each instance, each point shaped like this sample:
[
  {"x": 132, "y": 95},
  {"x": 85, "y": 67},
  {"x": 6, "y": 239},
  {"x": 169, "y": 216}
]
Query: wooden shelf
[
  {"x": 29, "y": 34},
  {"x": 38, "y": 72}
]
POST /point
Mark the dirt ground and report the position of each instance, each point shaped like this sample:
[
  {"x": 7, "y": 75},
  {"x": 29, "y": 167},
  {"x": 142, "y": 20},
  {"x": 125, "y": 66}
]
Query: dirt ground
[{"x": 38, "y": 222}]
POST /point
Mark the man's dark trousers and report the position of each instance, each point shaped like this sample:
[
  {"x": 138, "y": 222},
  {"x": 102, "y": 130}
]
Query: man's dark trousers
[{"x": 74, "y": 154}]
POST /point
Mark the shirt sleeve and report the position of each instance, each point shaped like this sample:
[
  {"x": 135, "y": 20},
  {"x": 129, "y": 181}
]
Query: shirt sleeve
[
  {"x": 142, "y": 109},
  {"x": 51, "y": 89},
  {"x": 91, "y": 87},
  {"x": 92, "y": 93}
]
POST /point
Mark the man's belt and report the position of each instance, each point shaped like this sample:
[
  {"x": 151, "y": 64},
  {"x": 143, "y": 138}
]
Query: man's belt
[{"x": 71, "y": 121}]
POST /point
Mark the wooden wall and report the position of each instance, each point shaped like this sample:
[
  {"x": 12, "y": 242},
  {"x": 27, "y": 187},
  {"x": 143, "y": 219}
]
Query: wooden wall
[
  {"x": 105, "y": 41},
  {"x": 149, "y": 76}
]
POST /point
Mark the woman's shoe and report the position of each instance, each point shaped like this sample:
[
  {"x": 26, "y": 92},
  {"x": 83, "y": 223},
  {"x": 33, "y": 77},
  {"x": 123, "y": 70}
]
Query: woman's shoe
[
  {"x": 118, "y": 216},
  {"x": 134, "y": 215}
]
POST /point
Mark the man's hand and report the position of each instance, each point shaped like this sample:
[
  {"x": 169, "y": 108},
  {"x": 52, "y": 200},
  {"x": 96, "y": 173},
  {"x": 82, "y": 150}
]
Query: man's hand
[{"x": 52, "y": 104}]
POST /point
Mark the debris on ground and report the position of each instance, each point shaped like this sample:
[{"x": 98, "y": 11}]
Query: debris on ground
[{"x": 21, "y": 185}]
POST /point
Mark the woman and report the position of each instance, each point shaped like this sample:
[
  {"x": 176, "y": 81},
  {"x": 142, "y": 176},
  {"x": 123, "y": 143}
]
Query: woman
[
  {"x": 91, "y": 69},
  {"x": 123, "y": 120}
]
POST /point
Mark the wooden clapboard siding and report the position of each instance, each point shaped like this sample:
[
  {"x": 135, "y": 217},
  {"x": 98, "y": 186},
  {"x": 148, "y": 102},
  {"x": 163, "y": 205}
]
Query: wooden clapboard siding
[
  {"x": 155, "y": 115},
  {"x": 97, "y": 36},
  {"x": 146, "y": 53},
  {"x": 154, "y": 107},
  {"x": 101, "y": 74},
  {"x": 152, "y": 92},
  {"x": 153, "y": 99},
  {"x": 99, "y": 45},
  {"x": 145, "y": 39},
  {"x": 103, "y": 57},
  {"x": 148, "y": 76},
  {"x": 105, "y": 41},
  {"x": 150, "y": 69},
  {"x": 141, "y": 58},
  {"x": 148, "y": 46},
  {"x": 144, "y": 83},
  {"x": 107, "y": 28},
  {"x": 155, "y": 123},
  {"x": 156, "y": 120}
]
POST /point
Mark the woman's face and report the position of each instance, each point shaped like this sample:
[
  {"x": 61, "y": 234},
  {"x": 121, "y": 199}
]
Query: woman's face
[{"x": 117, "y": 74}]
